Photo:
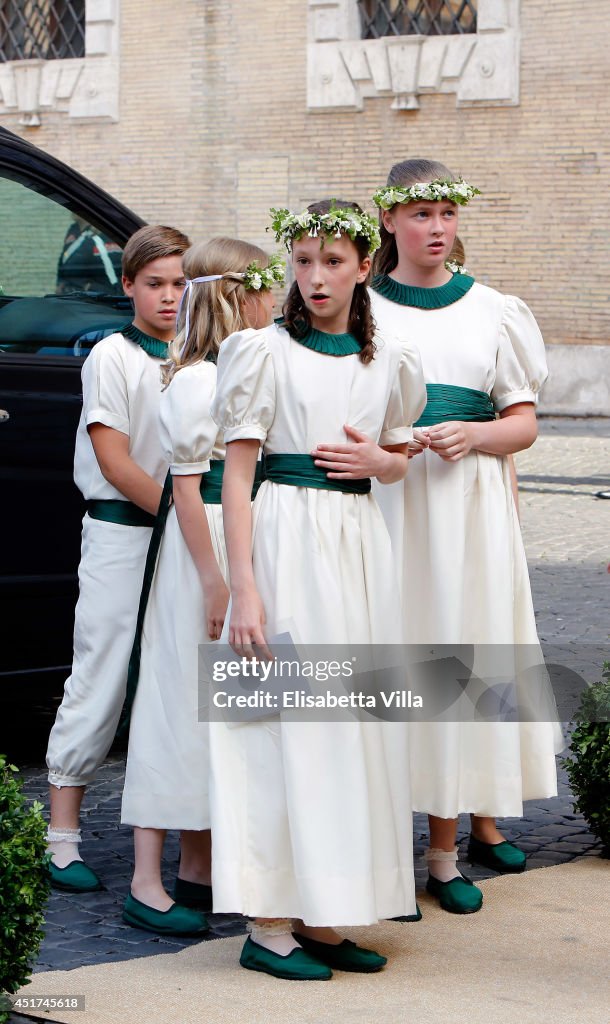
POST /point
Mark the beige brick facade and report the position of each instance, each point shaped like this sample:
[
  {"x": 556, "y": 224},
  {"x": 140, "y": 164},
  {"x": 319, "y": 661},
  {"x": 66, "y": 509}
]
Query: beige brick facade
[{"x": 214, "y": 127}]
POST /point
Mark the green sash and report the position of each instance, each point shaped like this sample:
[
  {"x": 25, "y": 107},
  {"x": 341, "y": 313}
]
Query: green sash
[
  {"x": 301, "y": 471},
  {"x": 115, "y": 510},
  {"x": 450, "y": 402},
  {"x": 211, "y": 483}
]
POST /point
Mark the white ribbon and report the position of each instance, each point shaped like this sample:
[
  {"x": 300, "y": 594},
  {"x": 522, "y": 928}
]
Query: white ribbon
[{"x": 190, "y": 281}]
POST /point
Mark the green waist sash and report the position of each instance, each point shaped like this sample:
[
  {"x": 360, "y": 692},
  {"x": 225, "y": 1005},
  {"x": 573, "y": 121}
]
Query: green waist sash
[
  {"x": 450, "y": 402},
  {"x": 301, "y": 471},
  {"x": 125, "y": 513},
  {"x": 211, "y": 482},
  {"x": 210, "y": 490}
]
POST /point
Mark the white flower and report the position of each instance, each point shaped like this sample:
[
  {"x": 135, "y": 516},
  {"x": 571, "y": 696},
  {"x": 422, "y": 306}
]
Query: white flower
[{"x": 459, "y": 192}]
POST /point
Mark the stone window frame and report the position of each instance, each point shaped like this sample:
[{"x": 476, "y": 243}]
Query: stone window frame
[
  {"x": 85, "y": 88},
  {"x": 344, "y": 70}
]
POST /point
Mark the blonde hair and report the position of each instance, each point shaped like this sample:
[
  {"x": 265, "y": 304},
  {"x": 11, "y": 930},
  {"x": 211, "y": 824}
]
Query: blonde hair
[{"x": 215, "y": 308}]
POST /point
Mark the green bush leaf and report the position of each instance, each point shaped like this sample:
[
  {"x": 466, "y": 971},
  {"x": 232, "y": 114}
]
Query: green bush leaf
[
  {"x": 588, "y": 768},
  {"x": 24, "y": 885}
]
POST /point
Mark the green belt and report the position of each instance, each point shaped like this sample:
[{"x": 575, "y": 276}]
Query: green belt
[
  {"x": 210, "y": 490},
  {"x": 450, "y": 402},
  {"x": 301, "y": 471},
  {"x": 125, "y": 513},
  {"x": 211, "y": 482}
]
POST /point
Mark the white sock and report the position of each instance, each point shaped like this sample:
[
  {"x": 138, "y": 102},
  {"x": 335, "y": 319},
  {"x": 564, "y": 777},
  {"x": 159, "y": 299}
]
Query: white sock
[
  {"x": 275, "y": 935},
  {"x": 62, "y": 844},
  {"x": 442, "y": 864}
]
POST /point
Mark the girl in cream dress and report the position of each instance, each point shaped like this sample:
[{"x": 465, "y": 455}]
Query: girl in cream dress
[
  {"x": 455, "y": 525},
  {"x": 311, "y": 820},
  {"x": 166, "y": 782}
]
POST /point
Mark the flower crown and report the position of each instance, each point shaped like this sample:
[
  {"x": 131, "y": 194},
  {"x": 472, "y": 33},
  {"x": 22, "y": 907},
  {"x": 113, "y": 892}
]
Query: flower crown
[
  {"x": 456, "y": 268},
  {"x": 256, "y": 277},
  {"x": 340, "y": 220},
  {"x": 459, "y": 192}
]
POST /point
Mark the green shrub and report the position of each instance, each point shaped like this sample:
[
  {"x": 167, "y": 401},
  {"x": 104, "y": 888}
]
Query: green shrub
[
  {"x": 24, "y": 884},
  {"x": 589, "y": 767}
]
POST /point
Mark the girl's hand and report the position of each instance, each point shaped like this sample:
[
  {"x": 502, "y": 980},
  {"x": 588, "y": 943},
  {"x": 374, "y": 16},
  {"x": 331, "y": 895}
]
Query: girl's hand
[
  {"x": 420, "y": 442},
  {"x": 453, "y": 440},
  {"x": 216, "y": 600},
  {"x": 246, "y": 625},
  {"x": 355, "y": 461}
]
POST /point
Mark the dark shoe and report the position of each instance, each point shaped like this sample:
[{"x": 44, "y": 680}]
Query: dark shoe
[
  {"x": 346, "y": 956},
  {"x": 459, "y": 896},
  {"x": 296, "y": 966},
  {"x": 175, "y": 921},
  {"x": 409, "y": 918},
  {"x": 75, "y": 877},
  {"x": 503, "y": 857},
  {"x": 192, "y": 894}
]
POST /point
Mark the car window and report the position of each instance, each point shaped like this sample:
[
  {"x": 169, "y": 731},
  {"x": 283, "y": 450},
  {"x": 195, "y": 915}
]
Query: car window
[{"x": 60, "y": 276}]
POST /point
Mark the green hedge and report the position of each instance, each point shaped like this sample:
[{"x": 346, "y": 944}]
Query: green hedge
[
  {"x": 589, "y": 766},
  {"x": 24, "y": 885}
]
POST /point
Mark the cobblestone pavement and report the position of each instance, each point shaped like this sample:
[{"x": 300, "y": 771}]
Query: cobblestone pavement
[{"x": 567, "y": 538}]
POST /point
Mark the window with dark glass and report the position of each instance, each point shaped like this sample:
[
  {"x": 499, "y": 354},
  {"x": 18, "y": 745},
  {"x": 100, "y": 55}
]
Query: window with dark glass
[
  {"x": 42, "y": 29},
  {"x": 60, "y": 275},
  {"x": 417, "y": 17}
]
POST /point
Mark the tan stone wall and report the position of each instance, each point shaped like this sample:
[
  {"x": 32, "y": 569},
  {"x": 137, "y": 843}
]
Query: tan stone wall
[{"x": 214, "y": 129}]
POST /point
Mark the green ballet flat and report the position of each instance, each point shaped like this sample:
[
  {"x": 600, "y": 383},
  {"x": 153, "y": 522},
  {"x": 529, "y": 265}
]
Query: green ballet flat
[
  {"x": 193, "y": 895},
  {"x": 296, "y": 966},
  {"x": 175, "y": 921},
  {"x": 459, "y": 896},
  {"x": 503, "y": 857},
  {"x": 75, "y": 877},
  {"x": 346, "y": 956},
  {"x": 409, "y": 918}
]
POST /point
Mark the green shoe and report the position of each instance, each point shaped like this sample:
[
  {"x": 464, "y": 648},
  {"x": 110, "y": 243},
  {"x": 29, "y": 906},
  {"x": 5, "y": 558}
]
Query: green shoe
[
  {"x": 346, "y": 956},
  {"x": 503, "y": 857},
  {"x": 175, "y": 921},
  {"x": 296, "y": 966},
  {"x": 409, "y": 918},
  {"x": 192, "y": 894},
  {"x": 459, "y": 896},
  {"x": 75, "y": 877}
]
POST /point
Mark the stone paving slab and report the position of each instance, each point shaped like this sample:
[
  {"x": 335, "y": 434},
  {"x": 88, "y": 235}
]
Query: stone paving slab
[{"x": 567, "y": 537}]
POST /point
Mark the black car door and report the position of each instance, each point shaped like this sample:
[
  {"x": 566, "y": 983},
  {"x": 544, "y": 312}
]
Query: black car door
[{"x": 60, "y": 292}]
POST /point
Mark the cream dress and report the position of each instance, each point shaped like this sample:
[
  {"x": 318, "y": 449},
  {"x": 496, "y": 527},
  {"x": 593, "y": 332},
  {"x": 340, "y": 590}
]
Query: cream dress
[
  {"x": 313, "y": 820},
  {"x": 456, "y": 533},
  {"x": 166, "y": 780}
]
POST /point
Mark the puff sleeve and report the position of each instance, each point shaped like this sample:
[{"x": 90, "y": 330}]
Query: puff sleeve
[
  {"x": 105, "y": 392},
  {"x": 244, "y": 406},
  {"x": 187, "y": 430},
  {"x": 521, "y": 368},
  {"x": 407, "y": 399}
]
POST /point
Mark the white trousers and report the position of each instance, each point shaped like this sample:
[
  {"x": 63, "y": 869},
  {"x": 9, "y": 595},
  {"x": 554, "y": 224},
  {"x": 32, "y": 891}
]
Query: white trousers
[{"x": 110, "y": 580}]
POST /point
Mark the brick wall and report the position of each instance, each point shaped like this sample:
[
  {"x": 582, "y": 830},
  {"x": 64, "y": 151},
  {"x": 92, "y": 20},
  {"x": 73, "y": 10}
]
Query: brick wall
[{"x": 214, "y": 129}]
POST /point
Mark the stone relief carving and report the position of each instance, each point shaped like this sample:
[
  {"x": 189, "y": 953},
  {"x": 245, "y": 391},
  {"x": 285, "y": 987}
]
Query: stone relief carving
[
  {"x": 343, "y": 70},
  {"x": 86, "y": 87}
]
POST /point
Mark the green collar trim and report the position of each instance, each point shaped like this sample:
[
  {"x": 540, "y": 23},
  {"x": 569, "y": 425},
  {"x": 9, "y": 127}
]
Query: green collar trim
[
  {"x": 328, "y": 344},
  {"x": 152, "y": 346},
  {"x": 423, "y": 298}
]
